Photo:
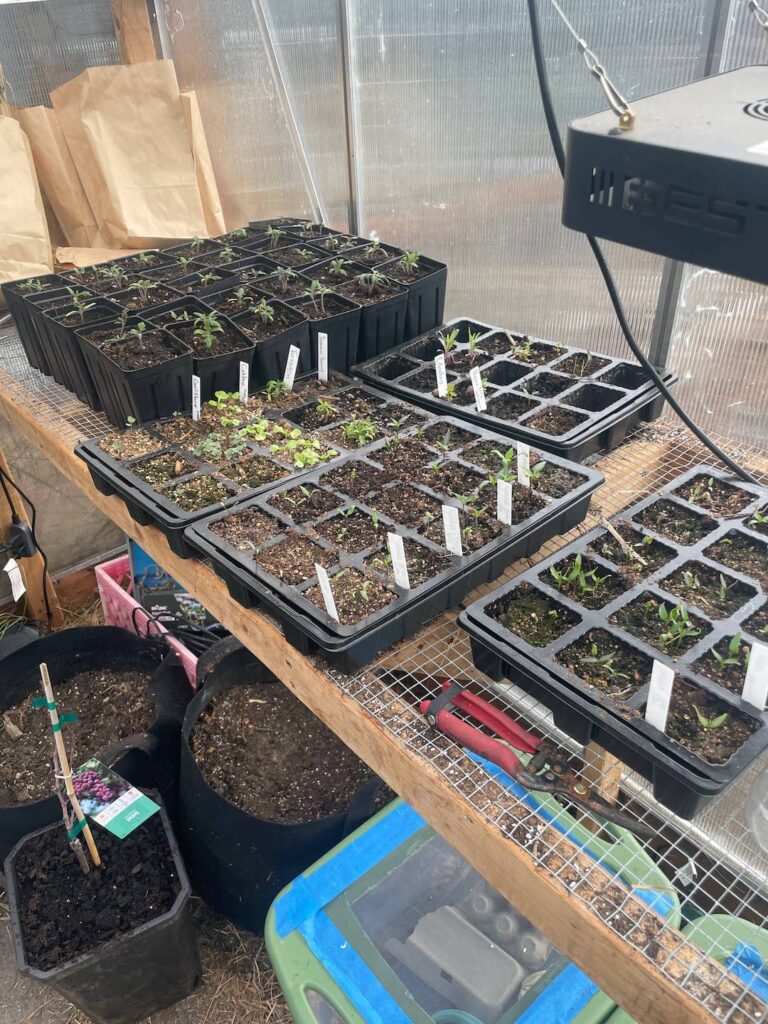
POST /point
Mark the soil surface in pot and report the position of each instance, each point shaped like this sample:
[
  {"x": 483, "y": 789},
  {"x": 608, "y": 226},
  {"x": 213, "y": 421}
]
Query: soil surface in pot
[
  {"x": 726, "y": 663},
  {"x": 357, "y": 478},
  {"x": 546, "y": 385},
  {"x": 644, "y": 618},
  {"x": 66, "y": 914},
  {"x": 604, "y": 661},
  {"x": 531, "y": 352},
  {"x": 675, "y": 521},
  {"x": 532, "y": 615},
  {"x": 511, "y": 406},
  {"x": 230, "y": 303},
  {"x": 375, "y": 255},
  {"x": 408, "y": 276},
  {"x": 404, "y": 459},
  {"x": 447, "y": 438},
  {"x": 129, "y": 444},
  {"x": 162, "y": 469},
  {"x": 246, "y": 530},
  {"x": 349, "y": 405},
  {"x": 330, "y": 307},
  {"x": 478, "y": 528},
  {"x": 358, "y": 291},
  {"x": 352, "y": 530},
  {"x": 716, "y": 496},
  {"x": 134, "y": 299},
  {"x": 194, "y": 249},
  {"x": 581, "y": 364},
  {"x": 305, "y": 502},
  {"x": 423, "y": 563},
  {"x": 586, "y": 582},
  {"x": 111, "y": 705},
  {"x": 259, "y": 747},
  {"x": 555, "y": 420},
  {"x": 198, "y": 493},
  {"x": 284, "y": 317},
  {"x": 653, "y": 553},
  {"x": 718, "y": 594},
  {"x": 742, "y": 553},
  {"x": 228, "y": 340},
  {"x": 254, "y": 471},
  {"x": 285, "y": 287},
  {"x": 408, "y": 506},
  {"x": 76, "y": 320},
  {"x": 714, "y": 744},
  {"x": 292, "y": 560},
  {"x": 298, "y": 256},
  {"x": 132, "y": 354},
  {"x": 357, "y": 596}
]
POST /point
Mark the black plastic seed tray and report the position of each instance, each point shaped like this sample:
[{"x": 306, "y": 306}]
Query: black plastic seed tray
[
  {"x": 149, "y": 504},
  {"x": 449, "y": 445},
  {"x": 561, "y": 399},
  {"x": 696, "y": 557}
]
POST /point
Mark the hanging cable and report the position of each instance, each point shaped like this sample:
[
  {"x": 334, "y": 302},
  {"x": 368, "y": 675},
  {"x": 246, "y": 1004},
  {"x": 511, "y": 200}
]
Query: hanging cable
[
  {"x": 557, "y": 146},
  {"x": 3, "y": 478},
  {"x": 760, "y": 13}
]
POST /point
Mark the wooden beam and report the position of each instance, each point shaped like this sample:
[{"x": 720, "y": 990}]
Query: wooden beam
[
  {"x": 133, "y": 28},
  {"x": 622, "y": 971}
]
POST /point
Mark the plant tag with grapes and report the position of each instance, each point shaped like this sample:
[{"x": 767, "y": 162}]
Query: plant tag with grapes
[{"x": 110, "y": 801}]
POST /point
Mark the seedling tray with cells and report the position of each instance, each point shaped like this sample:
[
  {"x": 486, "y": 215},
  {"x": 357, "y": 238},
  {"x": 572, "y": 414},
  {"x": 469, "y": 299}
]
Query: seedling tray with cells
[
  {"x": 582, "y": 628},
  {"x": 338, "y": 516},
  {"x": 174, "y": 471},
  {"x": 565, "y": 400}
]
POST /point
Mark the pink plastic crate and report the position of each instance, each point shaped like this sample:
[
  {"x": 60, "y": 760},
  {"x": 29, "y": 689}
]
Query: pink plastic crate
[{"x": 121, "y": 609}]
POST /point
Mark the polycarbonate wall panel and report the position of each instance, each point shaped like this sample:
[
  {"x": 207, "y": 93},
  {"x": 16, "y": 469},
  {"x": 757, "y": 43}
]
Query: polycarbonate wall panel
[
  {"x": 43, "y": 45},
  {"x": 455, "y": 159}
]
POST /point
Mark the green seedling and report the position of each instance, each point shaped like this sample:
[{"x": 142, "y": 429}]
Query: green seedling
[
  {"x": 375, "y": 249},
  {"x": 732, "y": 655},
  {"x": 473, "y": 336},
  {"x": 395, "y": 426},
  {"x": 587, "y": 581},
  {"x": 325, "y": 409},
  {"x": 448, "y": 340},
  {"x": 691, "y": 580},
  {"x": 507, "y": 459},
  {"x": 208, "y": 278},
  {"x": 533, "y": 472},
  {"x": 197, "y": 244},
  {"x": 33, "y": 285},
  {"x": 80, "y": 302},
  {"x": 206, "y": 327},
  {"x": 361, "y": 431},
  {"x": 226, "y": 255},
  {"x": 237, "y": 234},
  {"x": 450, "y": 393},
  {"x": 678, "y": 625},
  {"x": 306, "y": 255},
  {"x": 263, "y": 311},
  {"x": 711, "y": 723},
  {"x": 409, "y": 262},
  {"x": 336, "y": 268},
  {"x": 146, "y": 258},
  {"x": 275, "y": 389},
  {"x": 138, "y": 332},
  {"x": 605, "y": 661},
  {"x": 372, "y": 282},
  {"x": 758, "y": 519},
  {"x": 317, "y": 293},
  {"x": 701, "y": 492},
  {"x": 274, "y": 235},
  {"x": 144, "y": 287},
  {"x": 523, "y": 348},
  {"x": 284, "y": 277},
  {"x": 723, "y": 587}
]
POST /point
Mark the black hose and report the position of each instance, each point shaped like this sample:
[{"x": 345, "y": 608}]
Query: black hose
[{"x": 557, "y": 146}]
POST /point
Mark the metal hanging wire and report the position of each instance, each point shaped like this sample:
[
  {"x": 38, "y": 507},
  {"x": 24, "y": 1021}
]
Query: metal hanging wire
[{"x": 759, "y": 12}]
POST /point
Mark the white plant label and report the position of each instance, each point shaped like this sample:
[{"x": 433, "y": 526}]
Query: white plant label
[
  {"x": 291, "y": 365},
  {"x": 325, "y": 590},
  {"x": 195, "y": 397},
  {"x": 399, "y": 565},
  {"x": 244, "y": 382},
  {"x": 452, "y": 530},
  {"x": 755, "y": 690},
  {"x": 504, "y": 502},
  {"x": 322, "y": 356},
  {"x": 442, "y": 376},
  {"x": 659, "y": 695},
  {"x": 523, "y": 464},
  {"x": 14, "y": 575},
  {"x": 477, "y": 387}
]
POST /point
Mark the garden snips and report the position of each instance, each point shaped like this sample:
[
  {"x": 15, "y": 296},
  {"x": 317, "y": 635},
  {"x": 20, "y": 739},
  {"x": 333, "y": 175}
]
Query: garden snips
[{"x": 545, "y": 772}]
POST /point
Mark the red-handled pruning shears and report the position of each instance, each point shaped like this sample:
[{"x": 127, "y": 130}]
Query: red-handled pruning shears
[{"x": 546, "y": 771}]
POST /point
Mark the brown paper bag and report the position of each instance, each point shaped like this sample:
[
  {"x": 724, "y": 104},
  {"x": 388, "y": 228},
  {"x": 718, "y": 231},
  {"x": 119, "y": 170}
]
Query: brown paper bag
[
  {"x": 25, "y": 248},
  {"x": 69, "y": 256},
  {"x": 126, "y": 134},
  {"x": 58, "y": 177},
  {"x": 206, "y": 179}
]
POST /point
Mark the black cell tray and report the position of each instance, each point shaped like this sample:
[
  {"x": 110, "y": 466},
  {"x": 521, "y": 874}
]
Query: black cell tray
[
  {"x": 681, "y": 780},
  {"x": 622, "y": 388},
  {"x": 311, "y": 630}
]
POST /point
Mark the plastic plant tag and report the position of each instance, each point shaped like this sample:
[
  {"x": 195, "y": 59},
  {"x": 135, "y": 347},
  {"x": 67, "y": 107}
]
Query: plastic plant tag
[
  {"x": 504, "y": 502},
  {"x": 523, "y": 464},
  {"x": 325, "y": 590},
  {"x": 244, "y": 375},
  {"x": 659, "y": 695},
  {"x": 291, "y": 365},
  {"x": 755, "y": 690},
  {"x": 14, "y": 575},
  {"x": 452, "y": 529},
  {"x": 477, "y": 387},
  {"x": 195, "y": 397},
  {"x": 109, "y": 800},
  {"x": 442, "y": 376},
  {"x": 322, "y": 356},
  {"x": 399, "y": 565}
]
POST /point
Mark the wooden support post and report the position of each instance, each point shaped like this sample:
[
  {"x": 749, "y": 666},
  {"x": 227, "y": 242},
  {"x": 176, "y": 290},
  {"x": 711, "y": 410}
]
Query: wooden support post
[
  {"x": 134, "y": 31},
  {"x": 32, "y": 569}
]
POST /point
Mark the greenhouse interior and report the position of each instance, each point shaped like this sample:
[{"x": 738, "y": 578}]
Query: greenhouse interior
[{"x": 389, "y": 373}]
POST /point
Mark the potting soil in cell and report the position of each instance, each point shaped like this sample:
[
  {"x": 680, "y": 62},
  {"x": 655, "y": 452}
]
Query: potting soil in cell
[
  {"x": 111, "y": 704},
  {"x": 66, "y": 914},
  {"x": 261, "y": 748}
]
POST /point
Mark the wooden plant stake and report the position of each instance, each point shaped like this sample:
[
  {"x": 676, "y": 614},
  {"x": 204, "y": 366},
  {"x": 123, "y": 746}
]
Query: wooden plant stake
[
  {"x": 61, "y": 761},
  {"x": 628, "y": 551}
]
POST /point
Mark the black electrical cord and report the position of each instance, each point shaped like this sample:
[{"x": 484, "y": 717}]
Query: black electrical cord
[
  {"x": 3, "y": 478},
  {"x": 557, "y": 146}
]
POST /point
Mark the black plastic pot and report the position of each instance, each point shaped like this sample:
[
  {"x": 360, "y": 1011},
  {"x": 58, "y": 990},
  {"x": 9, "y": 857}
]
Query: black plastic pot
[
  {"x": 309, "y": 628},
  {"x": 136, "y": 974},
  {"x": 426, "y": 295},
  {"x": 682, "y": 780},
  {"x": 149, "y": 393},
  {"x": 342, "y": 329},
  {"x": 67, "y": 360},
  {"x": 237, "y": 862},
  {"x": 382, "y": 324},
  {"x": 270, "y": 355},
  {"x": 150, "y": 759},
  {"x": 18, "y": 306},
  {"x": 125, "y": 294},
  {"x": 220, "y": 372},
  {"x": 37, "y": 306},
  {"x": 606, "y": 404},
  {"x": 388, "y": 253}
]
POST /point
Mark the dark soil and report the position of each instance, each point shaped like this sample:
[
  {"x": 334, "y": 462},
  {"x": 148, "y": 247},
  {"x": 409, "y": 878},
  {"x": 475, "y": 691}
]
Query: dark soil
[
  {"x": 129, "y": 444},
  {"x": 424, "y": 380},
  {"x": 181, "y": 430},
  {"x": 354, "y": 434},
  {"x": 227, "y": 302},
  {"x": 66, "y": 914},
  {"x": 718, "y": 594},
  {"x": 546, "y": 385},
  {"x": 423, "y": 563},
  {"x": 404, "y": 459},
  {"x": 397, "y": 273},
  {"x": 326, "y": 276},
  {"x": 742, "y": 553},
  {"x": 757, "y": 623},
  {"x": 359, "y": 293},
  {"x": 298, "y": 256},
  {"x": 337, "y": 243},
  {"x": 222, "y": 257},
  {"x": 198, "y": 493},
  {"x": 450, "y": 478},
  {"x": 168, "y": 274},
  {"x": 199, "y": 280},
  {"x": 499, "y": 343},
  {"x": 285, "y": 288},
  {"x": 534, "y": 353},
  {"x": 357, "y": 596},
  {"x": 255, "y": 327},
  {"x": 246, "y": 530},
  {"x": 254, "y": 471},
  {"x": 192, "y": 251},
  {"x": 652, "y": 551},
  {"x": 641, "y": 618},
  {"x": 476, "y": 530},
  {"x": 465, "y": 393},
  {"x": 305, "y": 502},
  {"x": 461, "y": 360},
  {"x": 393, "y": 367},
  {"x": 262, "y": 749},
  {"x": 330, "y": 307},
  {"x": 601, "y": 585},
  {"x": 112, "y": 704},
  {"x": 555, "y": 420},
  {"x": 732, "y": 670},
  {"x": 716, "y": 746},
  {"x": 303, "y": 390},
  {"x": 601, "y": 660},
  {"x": 357, "y": 478},
  {"x": 374, "y": 256},
  {"x": 228, "y": 340},
  {"x": 447, "y": 438},
  {"x": 352, "y": 532},
  {"x": 162, "y": 469},
  {"x": 488, "y": 454},
  {"x": 675, "y": 521},
  {"x": 510, "y": 406},
  {"x": 758, "y": 521},
  {"x": 716, "y": 496},
  {"x": 407, "y": 506},
  {"x": 556, "y": 481},
  {"x": 313, "y": 417},
  {"x": 581, "y": 364},
  {"x": 133, "y": 299},
  {"x": 532, "y": 615},
  {"x": 293, "y": 559},
  {"x": 154, "y": 348},
  {"x": 77, "y": 320}
]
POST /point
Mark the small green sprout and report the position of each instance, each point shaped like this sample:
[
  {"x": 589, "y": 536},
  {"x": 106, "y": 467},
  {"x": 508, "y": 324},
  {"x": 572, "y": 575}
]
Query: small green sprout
[{"x": 710, "y": 723}]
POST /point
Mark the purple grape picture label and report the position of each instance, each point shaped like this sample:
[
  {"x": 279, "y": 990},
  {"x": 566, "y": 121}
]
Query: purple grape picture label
[{"x": 109, "y": 800}]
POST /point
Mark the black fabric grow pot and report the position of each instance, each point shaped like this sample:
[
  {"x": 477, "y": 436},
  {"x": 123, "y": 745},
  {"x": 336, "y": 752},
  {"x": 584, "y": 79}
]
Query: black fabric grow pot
[
  {"x": 18, "y": 306},
  {"x": 426, "y": 295},
  {"x": 237, "y": 862},
  {"x": 135, "y": 974},
  {"x": 67, "y": 360},
  {"x": 342, "y": 328},
  {"x": 149, "y": 759},
  {"x": 271, "y": 354},
  {"x": 148, "y": 393}
]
